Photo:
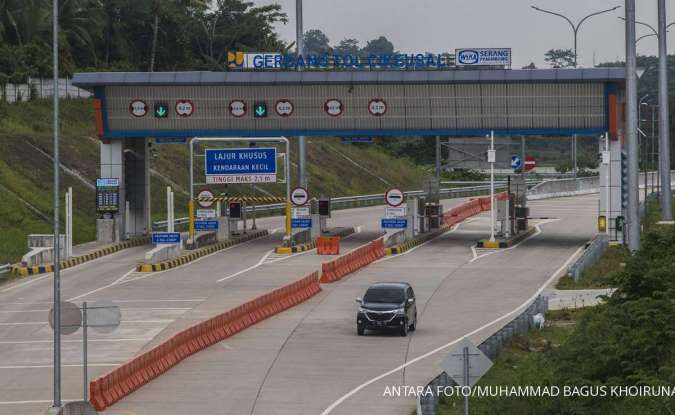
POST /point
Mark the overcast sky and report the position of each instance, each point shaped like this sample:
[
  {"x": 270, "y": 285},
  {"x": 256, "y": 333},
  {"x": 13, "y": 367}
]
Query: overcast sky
[{"x": 443, "y": 25}]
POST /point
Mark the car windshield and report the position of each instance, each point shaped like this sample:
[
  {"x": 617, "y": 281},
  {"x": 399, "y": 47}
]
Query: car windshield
[{"x": 384, "y": 295}]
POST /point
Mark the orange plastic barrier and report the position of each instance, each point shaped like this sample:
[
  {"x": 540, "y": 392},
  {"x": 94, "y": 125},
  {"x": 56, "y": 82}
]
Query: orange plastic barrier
[
  {"x": 470, "y": 208},
  {"x": 351, "y": 261},
  {"x": 328, "y": 245},
  {"x": 120, "y": 382}
]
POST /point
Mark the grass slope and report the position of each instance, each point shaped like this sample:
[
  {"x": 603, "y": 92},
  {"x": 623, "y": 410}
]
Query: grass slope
[{"x": 334, "y": 169}]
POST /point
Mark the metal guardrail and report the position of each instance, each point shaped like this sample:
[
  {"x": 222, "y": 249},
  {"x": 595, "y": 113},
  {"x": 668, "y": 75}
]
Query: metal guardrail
[
  {"x": 5, "y": 268},
  {"x": 346, "y": 202},
  {"x": 593, "y": 252}
]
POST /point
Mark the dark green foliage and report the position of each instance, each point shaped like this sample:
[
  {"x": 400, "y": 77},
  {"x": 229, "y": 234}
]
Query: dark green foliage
[{"x": 118, "y": 34}]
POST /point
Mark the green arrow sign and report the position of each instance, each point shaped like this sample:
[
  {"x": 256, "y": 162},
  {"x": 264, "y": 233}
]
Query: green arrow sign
[
  {"x": 161, "y": 110},
  {"x": 260, "y": 110}
]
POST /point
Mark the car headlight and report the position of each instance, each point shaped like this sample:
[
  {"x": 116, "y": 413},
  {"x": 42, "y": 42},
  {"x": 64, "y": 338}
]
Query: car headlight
[
  {"x": 399, "y": 311},
  {"x": 362, "y": 310}
]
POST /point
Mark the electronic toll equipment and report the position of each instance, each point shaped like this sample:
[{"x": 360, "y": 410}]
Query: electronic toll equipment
[
  {"x": 107, "y": 195},
  {"x": 235, "y": 210},
  {"x": 324, "y": 207}
]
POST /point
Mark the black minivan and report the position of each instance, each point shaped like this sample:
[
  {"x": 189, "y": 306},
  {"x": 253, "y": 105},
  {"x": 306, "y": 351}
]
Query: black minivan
[{"x": 387, "y": 305}]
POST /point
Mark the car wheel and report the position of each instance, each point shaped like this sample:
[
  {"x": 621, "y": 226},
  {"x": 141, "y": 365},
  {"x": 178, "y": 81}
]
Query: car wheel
[
  {"x": 404, "y": 329},
  {"x": 360, "y": 330}
]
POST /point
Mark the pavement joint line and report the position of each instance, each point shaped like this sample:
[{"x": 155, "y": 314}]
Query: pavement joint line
[
  {"x": 143, "y": 339},
  {"x": 117, "y": 281},
  {"x": 127, "y": 308},
  {"x": 498, "y": 250},
  {"x": 44, "y": 323},
  {"x": 64, "y": 272},
  {"x": 414, "y": 248},
  {"x": 63, "y": 365},
  {"x": 34, "y": 402},
  {"x": 151, "y": 274},
  {"x": 349, "y": 394}
]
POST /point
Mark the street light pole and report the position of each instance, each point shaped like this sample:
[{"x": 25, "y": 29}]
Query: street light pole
[
  {"x": 575, "y": 27},
  {"x": 299, "y": 42},
  {"x": 664, "y": 118},
  {"x": 56, "y": 245},
  {"x": 633, "y": 218}
]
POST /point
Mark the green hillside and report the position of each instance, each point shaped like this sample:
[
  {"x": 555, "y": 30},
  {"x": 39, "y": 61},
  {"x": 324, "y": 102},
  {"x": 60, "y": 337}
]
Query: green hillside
[{"x": 335, "y": 169}]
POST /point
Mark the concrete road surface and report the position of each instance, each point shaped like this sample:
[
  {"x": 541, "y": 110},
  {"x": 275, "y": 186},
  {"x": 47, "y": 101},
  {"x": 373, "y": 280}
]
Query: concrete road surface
[
  {"x": 154, "y": 306},
  {"x": 309, "y": 360}
]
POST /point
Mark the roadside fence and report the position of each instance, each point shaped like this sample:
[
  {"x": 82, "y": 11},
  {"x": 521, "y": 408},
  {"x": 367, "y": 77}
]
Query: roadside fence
[{"x": 40, "y": 88}]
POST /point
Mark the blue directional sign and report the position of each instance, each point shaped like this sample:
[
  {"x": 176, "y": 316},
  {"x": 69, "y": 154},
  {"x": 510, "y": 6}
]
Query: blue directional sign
[
  {"x": 516, "y": 162},
  {"x": 165, "y": 238},
  {"x": 206, "y": 225},
  {"x": 170, "y": 140},
  {"x": 241, "y": 165},
  {"x": 301, "y": 223},
  {"x": 394, "y": 223}
]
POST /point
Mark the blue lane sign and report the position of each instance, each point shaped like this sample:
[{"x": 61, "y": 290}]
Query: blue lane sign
[
  {"x": 165, "y": 237},
  {"x": 516, "y": 162},
  {"x": 301, "y": 223},
  {"x": 206, "y": 225},
  {"x": 241, "y": 165},
  {"x": 394, "y": 223},
  {"x": 349, "y": 140},
  {"x": 170, "y": 140}
]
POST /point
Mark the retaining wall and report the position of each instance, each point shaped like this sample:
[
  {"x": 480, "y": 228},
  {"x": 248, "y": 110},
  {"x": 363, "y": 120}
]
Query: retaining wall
[{"x": 565, "y": 187}]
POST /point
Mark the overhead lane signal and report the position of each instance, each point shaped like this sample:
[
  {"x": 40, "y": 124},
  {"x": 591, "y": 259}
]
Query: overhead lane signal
[
  {"x": 161, "y": 110},
  {"x": 260, "y": 110}
]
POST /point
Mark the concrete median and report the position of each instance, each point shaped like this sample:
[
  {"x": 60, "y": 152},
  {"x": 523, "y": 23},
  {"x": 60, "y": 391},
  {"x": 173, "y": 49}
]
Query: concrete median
[{"x": 125, "y": 379}]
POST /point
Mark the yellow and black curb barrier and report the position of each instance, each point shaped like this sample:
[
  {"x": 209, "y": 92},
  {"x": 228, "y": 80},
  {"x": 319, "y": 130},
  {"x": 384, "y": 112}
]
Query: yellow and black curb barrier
[
  {"x": 287, "y": 250},
  {"x": 198, "y": 253},
  {"x": 401, "y": 248},
  {"x": 246, "y": 199},
  {"x": 69, "y": 263},
  {"x": 500, "y": 244}
]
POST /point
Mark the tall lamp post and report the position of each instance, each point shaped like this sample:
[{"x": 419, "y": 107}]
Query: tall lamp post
[
  {"x": 302, "y": 142},
  {"x": 575, "y": 27},
  {"x": 57, "y": 249},
  {"x": 633, "y": 217}
]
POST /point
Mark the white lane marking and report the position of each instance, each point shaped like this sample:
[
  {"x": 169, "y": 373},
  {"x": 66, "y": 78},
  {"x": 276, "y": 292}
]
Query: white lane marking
[
  {"x": 76, "y": 341},
  {"x": 145, "y": 300},
  {"x": 51, "y": 366},
  {"x": 387, "y": 258},
  {"x": 496, "y": 251},
  {"x": 153, "y": 274},
  {"x": 63, "y": 272},
  {"x": 238, "y": 273},
  {"x": 44, "y": 323},
  {"x": 123, "y": 309},
  {"x": 117, "y": 281},
  {"x": 447, "y": 345}
]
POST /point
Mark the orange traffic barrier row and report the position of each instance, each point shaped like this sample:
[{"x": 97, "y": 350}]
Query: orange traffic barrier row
[
  {"x": 120, "y": 382},
  {"x": 351, "y": 261},
  {"x": 470, "y": 208},
  {"x": 328, "y": 245}
]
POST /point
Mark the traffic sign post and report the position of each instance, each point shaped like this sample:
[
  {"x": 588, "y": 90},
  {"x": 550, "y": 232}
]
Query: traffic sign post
[
  {"x": 165, "y": 238},
  {"x": 205, "y": 198},
  {"x": 299, "y": 196},
  {"x": 206, "y": 225},
  {"x": 394, "y": 197},
  {"x": 516, "y": 162},
  {"x": 466, "y": 364},
  {"x": 530, "y": 163},
  {"x": 394, "y": 223}
]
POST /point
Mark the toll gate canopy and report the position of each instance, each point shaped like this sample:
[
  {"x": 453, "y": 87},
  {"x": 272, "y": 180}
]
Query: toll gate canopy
[{"x": 380, "y": 103}]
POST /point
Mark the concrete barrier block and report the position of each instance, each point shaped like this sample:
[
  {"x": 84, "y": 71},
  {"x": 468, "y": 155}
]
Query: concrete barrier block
[{"x": 163, "y": 252}]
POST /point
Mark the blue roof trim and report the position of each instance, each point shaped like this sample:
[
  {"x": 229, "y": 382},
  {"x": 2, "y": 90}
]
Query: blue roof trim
[
  {"x": 92, "y": 79},
  {"x": 465, "y": 132}
]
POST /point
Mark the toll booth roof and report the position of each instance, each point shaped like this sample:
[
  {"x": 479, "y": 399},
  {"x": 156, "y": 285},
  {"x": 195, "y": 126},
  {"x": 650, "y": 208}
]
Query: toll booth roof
[{"x": 93, "y": 79}]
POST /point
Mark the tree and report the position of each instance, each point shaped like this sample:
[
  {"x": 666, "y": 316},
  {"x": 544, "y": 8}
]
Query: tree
[
  {"x": 560, "y": 58},
  {"x": 379, "y": 46},
  {"x": 347, "y": 47},
  {"x": 316, "y": 42}
]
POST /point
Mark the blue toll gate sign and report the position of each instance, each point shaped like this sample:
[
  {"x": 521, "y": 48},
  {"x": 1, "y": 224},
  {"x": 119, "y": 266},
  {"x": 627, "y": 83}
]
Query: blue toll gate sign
[
  {"x": 241, "y": 165},
  {"x": 301, "y": 223},
  {"x": 206, "y": 225},
  {"x": 516, "y": 162},
  {"x": 165, "y": 237},
  {"x": 394, "y": 223}
]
